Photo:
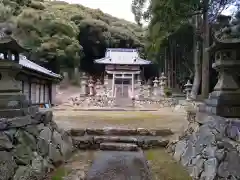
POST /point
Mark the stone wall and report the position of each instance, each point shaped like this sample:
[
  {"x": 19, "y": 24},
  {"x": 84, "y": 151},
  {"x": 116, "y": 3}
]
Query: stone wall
[
  {"x": 31, "y": 146},
  {"x": 209, "y": 149}
]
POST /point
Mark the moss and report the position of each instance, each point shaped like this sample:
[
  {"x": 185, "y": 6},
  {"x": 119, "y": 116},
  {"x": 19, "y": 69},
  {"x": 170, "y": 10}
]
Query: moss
[
  {"x": 164, "y": 167},
  {"x": 59, "y": 174}
]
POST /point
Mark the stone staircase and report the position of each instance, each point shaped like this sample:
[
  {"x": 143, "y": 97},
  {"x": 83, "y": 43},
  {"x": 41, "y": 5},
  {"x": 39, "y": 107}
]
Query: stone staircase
[{"x": 119, "y": 139}]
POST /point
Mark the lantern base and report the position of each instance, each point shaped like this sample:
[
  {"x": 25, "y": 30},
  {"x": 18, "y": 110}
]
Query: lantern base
[{"x": 223, "y": 103}]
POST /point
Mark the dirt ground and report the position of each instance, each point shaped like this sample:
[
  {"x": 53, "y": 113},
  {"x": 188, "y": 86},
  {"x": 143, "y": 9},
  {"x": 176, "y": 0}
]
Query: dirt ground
[{"x": 164, "y": 118}]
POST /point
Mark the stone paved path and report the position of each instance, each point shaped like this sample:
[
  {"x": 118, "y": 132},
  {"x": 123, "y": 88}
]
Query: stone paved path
[
  {"x": 113, "y": 165},
  {"x": 118, "y": 151}
]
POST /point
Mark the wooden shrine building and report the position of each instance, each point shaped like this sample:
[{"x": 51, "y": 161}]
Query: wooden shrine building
[{"x": 123, "y": 67}]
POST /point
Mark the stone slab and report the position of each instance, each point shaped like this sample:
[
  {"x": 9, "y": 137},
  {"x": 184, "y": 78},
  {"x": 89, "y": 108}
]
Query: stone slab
[
  {"x": 141, "y": 141},
  {"x": 128, "y": 131},
  {"x": 114, "y": 165},
  {"x": 118, "y": 147},
  {"x": 11, "y": 113}
]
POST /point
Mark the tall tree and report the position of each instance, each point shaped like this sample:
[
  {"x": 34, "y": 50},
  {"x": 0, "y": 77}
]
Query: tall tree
[{"x": 166, "y": 16}]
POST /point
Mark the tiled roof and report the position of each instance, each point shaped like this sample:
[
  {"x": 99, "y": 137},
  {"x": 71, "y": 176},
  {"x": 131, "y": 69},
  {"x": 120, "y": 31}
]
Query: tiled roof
[
  {"x": 33, "y": 66},
  {"x": 122, "y": 56}
]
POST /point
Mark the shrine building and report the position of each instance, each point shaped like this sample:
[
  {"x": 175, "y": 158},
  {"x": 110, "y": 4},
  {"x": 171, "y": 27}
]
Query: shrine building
[
  {"x": 18, "y": 75},
  {"x": 123, "y": 67}
]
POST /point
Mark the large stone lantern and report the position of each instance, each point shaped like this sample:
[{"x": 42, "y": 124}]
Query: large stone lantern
[
  {"x": 12, "y": 102},
  {"x": 225, "y": 99}
]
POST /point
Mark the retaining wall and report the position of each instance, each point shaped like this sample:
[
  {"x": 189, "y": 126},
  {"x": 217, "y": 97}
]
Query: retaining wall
[
  {"x": 31, "y": 146},
  {"x": 209, "y": 149}
]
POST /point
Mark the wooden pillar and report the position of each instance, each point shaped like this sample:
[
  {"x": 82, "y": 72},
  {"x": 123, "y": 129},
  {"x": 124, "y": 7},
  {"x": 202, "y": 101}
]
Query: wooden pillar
[
  {"x": 113, "y": 84},
  {"x": 132, "y": 85}
]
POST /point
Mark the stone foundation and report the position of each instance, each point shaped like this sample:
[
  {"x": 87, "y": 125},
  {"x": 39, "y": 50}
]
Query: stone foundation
[
  {"x": 157, "y": 103},
  {"x": 90, "y": 101},
  {"x": 209, "y": 148},
  {"x": 31, "y": 146}
]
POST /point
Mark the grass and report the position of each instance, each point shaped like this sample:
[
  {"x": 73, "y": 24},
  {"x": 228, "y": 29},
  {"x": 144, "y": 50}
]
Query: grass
[
  {"x": 113, "y": 115},
  {"x": 59, "y": 174},
  {"x": 163, "y": 167}
]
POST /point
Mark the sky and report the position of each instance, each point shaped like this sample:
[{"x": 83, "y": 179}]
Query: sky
[{"x": 117, "y": 8}]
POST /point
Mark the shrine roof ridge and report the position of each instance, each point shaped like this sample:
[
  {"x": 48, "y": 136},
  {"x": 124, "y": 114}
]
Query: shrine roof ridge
[
  {"x": 23, "y": 61},
  {"x": 125, "y": 56},
  {"x": 122, "y": 50}
]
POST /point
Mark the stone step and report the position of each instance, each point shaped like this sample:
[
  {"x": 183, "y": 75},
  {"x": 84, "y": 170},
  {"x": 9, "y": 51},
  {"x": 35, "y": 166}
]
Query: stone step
[
  {"x": 145, "y": 142},
  {"x": 111, "y": 131},
  {"x": 11, "y": 113},
  {"x": 118, "y": 147}
]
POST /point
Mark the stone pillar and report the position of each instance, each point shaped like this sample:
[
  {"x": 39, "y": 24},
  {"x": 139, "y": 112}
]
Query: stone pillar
[
  {"x": 155, "y": 87},
  {"x": 91, "y": 87},
  {"x": 84, "y": 84},
  {"x": 163, "y": 79},
  {"x": 188, "y": 88},
  {"x": 133, "y": 86},
  {"x": 12, "y": 102},
  {"x": 113, "y": 84}
]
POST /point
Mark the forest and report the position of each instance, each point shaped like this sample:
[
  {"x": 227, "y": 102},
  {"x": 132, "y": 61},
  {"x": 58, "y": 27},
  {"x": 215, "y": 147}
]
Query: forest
[
  {"x": 64, "y": 36},
  {"x": 179, "y": 34}
]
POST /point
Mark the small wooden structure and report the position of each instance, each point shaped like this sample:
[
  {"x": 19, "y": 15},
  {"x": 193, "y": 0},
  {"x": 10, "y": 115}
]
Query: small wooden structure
[
  {"x": 20, "y": 75},
  {"x": 123, "y": 67}
]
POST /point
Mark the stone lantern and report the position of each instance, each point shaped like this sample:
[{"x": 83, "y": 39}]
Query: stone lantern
[
  {"x": 84, "y": 84},
  {"x": 162, "y": 79},
  {"x": 12, "y": 102},
  {"x": 91, "y": 86},
  {"x": 139, "y": 81},
  {"x": 149, "y": 88},
  {"x": 98, "y": 87},
  {"x": 225, "y": 99},
  {"x": 155, "y": 86},
  {"x": 188, "y": 88}
]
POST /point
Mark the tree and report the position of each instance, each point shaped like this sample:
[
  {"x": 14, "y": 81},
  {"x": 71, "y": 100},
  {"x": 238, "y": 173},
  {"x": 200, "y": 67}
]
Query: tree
[
  {"x": 168, "y": 15},
  {"x": 64, "y": 36}
]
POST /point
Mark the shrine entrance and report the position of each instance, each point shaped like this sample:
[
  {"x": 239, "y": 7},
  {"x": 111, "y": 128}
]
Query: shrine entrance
[{"x": 122, "y": 87}]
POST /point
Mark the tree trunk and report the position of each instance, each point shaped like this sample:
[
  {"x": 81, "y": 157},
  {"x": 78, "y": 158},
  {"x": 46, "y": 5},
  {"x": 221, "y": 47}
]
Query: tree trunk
[
  {"x": 197, "y": 72},
  {"x": 205, "y": 63},
  {"x": 197, "y": 62}
]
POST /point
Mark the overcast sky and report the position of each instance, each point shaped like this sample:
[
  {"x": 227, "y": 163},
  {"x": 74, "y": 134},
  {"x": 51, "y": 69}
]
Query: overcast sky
[{"x": 117, "y": 8}]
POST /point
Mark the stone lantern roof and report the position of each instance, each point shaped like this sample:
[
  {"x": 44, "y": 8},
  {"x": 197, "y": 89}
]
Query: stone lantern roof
[{"x": 9, "y": 43}]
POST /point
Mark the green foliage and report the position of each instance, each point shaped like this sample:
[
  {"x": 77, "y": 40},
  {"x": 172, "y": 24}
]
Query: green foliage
[
  {"x": 5, "y": 12},
  {"x": 63, "y": 35},
  {"x": 168, "y": 92}
]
